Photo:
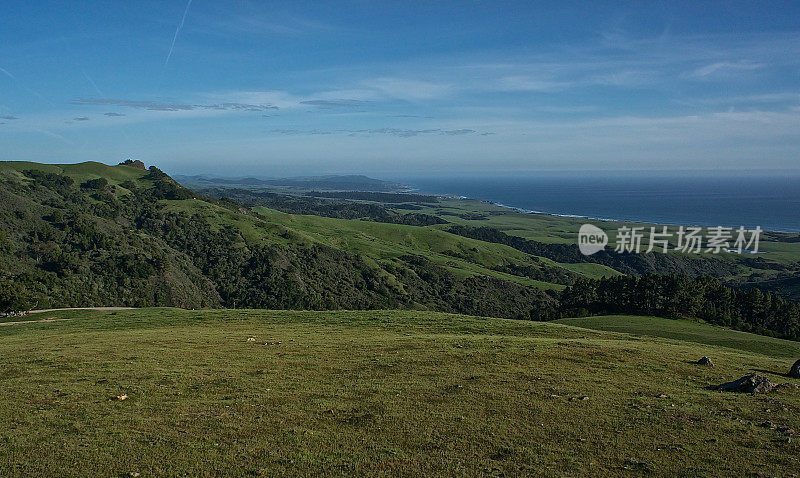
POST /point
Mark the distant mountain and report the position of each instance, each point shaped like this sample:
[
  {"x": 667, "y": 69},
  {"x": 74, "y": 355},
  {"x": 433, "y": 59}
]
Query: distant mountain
[{"x": 318, "y": 183}]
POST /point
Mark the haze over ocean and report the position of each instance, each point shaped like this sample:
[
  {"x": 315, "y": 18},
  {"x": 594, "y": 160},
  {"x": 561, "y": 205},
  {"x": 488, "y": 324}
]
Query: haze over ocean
[{"x": 770, "y": 200}]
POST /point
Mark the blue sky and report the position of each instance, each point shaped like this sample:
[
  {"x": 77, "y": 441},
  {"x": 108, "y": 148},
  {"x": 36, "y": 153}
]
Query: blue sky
[{"x": 392, "y": 88}]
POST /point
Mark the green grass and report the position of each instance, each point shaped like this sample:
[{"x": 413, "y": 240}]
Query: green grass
[
  {"x": 558, "y": 229},
  {"x": 375, "y": 392},
  {"x": 689, "y": 331},
  {"x": 381, "y": 241}
]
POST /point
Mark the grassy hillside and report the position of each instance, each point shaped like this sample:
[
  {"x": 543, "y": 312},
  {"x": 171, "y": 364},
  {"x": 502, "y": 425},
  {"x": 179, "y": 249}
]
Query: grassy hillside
[
  {"x": 91, "y": 234},
  {"x": 774, "y": 269},
  {"x": 379, "y": 241},
  {"x": 688, "y": 331},
  {"x": 378, "y": 392}
]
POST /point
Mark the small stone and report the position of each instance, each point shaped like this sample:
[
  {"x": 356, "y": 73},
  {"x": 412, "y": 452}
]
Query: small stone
[
  {"x": 748, "y": 384},
  {"x": 705, "y": 361},
  {"x": 662, "y": 396},
  {"x": 122, "y": 397}
]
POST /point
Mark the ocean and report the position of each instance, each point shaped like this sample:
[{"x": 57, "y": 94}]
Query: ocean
[{"x": 769, "y": 200}]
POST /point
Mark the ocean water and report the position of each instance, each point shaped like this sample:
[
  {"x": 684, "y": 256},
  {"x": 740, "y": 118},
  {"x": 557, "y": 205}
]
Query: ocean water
[{"x": 769, "y": 200}]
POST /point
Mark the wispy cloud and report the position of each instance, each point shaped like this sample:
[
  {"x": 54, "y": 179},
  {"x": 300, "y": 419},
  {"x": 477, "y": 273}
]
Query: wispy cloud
[
  {"x": 112, "y": 114},
  {"x": 260, "y": 22},
  {"x": 723, "y": 69},
  {"x": 408, "y": 89},
  {"x": 342, "y": 103},
  {"x": 410, "y": 116},
  {"x": 9, "y": 117},
  {"x": 81, "y": 118},
  {"x": 162, "y": 106},
  {"x": 401, "y": 133}
]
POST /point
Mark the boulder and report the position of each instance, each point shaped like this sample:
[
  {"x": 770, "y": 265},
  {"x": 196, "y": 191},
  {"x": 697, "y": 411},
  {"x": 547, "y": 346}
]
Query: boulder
[
  {"x": 706, "y": 362},
  {"x": 748, "y": 384},
  {"x": 795, "y": 370}
]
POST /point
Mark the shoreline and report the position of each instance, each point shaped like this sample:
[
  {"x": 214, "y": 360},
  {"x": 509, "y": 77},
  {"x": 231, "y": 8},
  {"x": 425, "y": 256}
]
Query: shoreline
[{"x": 593, "y": 218}]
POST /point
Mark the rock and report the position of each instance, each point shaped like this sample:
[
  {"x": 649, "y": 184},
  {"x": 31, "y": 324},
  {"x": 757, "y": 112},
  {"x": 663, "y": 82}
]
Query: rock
[
  {"x": 795, "y": 370},
  {"x": 792, "y": 386},
  {"x": 251, "y": 339},
  {"x": 706, "y": 362},
  {"x": 748, "y": 384}
]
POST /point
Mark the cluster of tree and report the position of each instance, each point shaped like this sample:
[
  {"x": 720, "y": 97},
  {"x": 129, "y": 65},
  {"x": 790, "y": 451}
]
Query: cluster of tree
[
  {"x": 627, "y": 263},
  {"x": 676, "y": 296},
  {"x": 539, "y": 271},
  {"x": 135, "y": 163},
  {"x": 321, "y": 207}
]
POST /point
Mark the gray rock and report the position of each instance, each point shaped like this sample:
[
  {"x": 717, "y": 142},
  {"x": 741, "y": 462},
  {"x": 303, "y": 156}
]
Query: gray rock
[
  {"x": 748, "y": 384},
  {"x": 795, "y": 370},
  {"x": 706, "y": 362}
]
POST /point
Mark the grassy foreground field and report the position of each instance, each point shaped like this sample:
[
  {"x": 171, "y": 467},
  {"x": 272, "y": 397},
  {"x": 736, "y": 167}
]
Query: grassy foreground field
[{"x": 378, "y": 392}]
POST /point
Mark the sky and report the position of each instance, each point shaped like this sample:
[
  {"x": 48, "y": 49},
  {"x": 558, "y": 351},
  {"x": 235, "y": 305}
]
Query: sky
[{"x": 259, "y": 88}]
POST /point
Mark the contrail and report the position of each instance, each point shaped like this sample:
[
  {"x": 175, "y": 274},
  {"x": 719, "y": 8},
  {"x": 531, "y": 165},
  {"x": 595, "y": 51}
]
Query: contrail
[
  {"x": 8, "y": 74},
  {"x": 93, "y": 84},
  {"x": 175, "y": 37},
  {"x": 21, "y": 85}
]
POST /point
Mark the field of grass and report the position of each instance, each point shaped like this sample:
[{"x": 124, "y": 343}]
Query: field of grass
[
  {"x": 380, "y": 392},
  {"x": 381, "y": 241},
  {"x": 688, "y": 331}
]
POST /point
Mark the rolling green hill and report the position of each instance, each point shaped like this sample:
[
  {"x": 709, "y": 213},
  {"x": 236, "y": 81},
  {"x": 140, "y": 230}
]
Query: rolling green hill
[
  {"x": 688, "y": 331},
  {"x": 89, "y": 234},
  {"x": 399, "y": 393}
]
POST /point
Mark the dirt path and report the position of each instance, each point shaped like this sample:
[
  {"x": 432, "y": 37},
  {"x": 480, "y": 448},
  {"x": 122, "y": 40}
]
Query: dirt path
[
  {"x": 20, "y": 322},
  {"x": 78, "y": 308},
  {"x": 54, "y": 319}
]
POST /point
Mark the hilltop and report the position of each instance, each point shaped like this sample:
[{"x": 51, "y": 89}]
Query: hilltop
[{"x": 288, "y": 393}]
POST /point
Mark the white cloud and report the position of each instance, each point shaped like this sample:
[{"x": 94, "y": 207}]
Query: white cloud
[
  {"x": 723, "y": 69},
  {"x": 409, "y": 89}
]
